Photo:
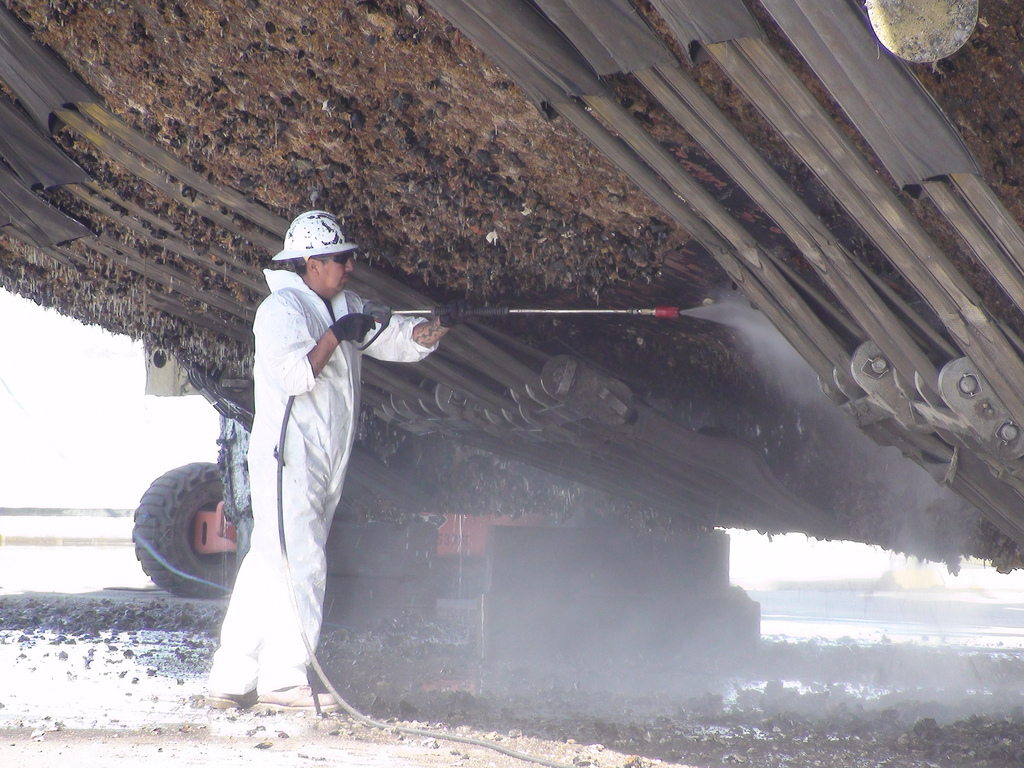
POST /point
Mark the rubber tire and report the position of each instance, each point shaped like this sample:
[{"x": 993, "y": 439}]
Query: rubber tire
[{"x": 164, "y": 520}]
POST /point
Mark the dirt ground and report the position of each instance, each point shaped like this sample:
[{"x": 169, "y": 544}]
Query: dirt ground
[{"x": 117, "y": 677}]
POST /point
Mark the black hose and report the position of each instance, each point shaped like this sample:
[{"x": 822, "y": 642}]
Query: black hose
[
  {"x": 384, "y": 323},
  {"x": 176, "y": 571},
  {"x": 322, "y": 675}
]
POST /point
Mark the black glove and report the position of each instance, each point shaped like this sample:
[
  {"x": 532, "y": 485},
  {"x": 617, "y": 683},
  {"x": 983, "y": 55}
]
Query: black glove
[
  {"x": 352, "y": 327},
  {"x": 452, "y": 313}
]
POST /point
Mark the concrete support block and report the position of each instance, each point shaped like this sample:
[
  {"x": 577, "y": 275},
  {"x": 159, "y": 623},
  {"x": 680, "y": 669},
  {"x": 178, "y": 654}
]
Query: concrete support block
[{"x": 603, "y": 592}]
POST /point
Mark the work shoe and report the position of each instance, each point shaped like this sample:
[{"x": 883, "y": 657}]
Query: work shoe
[
  {"x": 298, "y": 698},
  {"x": 231, "y": 700}
]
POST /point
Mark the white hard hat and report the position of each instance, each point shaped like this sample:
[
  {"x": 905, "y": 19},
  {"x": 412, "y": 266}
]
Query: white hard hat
[{"x": 314, "y": 233}]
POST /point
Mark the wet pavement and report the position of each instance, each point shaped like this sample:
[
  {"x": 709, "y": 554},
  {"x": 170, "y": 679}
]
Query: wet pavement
[
  {"x": 117, "y": 680},
  {"x": 101, "y": 665}
]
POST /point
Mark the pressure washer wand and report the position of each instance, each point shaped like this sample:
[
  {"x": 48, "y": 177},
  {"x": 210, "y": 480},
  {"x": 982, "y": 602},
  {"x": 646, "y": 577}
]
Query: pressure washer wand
[{"x": 662, "y": 312}]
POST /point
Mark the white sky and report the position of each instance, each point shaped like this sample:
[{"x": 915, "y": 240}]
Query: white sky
[{"x": 76, "y": 429}]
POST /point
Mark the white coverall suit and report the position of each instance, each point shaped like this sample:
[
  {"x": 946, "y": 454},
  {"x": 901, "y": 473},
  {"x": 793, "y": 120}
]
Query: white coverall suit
[{"x": 261, "y": 646}]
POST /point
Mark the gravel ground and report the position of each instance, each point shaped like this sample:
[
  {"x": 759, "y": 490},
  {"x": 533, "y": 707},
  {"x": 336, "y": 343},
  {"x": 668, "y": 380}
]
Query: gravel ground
[{"x": 118, "y": 677}]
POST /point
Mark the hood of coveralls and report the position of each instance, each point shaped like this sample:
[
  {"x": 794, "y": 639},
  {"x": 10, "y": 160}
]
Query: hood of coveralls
[{"x": 279, "y": 279}]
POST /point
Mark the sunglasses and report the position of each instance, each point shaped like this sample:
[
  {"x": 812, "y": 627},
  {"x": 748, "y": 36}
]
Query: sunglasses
[{"x": 337, "y": 258}]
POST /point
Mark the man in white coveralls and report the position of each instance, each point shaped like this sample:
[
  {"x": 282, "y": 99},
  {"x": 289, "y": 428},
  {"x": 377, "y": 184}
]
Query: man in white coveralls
[{"x": 308, "y": 333}]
